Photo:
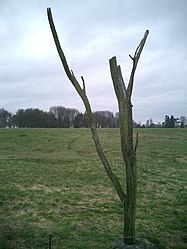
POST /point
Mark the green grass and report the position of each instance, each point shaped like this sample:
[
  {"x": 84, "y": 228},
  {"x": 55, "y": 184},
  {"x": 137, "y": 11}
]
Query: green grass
[{"x": 52, "y": 182}]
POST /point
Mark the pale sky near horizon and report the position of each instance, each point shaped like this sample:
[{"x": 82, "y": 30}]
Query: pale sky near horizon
[{"x": 91, "y": 32}]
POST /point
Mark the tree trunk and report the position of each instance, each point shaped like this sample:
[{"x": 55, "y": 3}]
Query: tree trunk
[
  {"x": 130, "y": 207},
  {"x": 128, "y": 149}
]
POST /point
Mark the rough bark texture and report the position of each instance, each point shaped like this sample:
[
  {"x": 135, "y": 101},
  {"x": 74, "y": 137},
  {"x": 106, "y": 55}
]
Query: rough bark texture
[{"x": 123, "y": 95}]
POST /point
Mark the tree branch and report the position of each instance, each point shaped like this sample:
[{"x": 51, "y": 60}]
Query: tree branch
[
  {"x": 136, "y": 143},
  {"x": 82, "y": 94},
  {"x": 131, "y": 57},
  {"x": 83, "y": 82},
  {"x": 57, "y": 43},
  {"x": 135, "y": 60}
]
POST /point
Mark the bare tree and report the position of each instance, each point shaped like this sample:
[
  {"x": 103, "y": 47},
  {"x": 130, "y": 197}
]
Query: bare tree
[{"x": 128, "y": 148}]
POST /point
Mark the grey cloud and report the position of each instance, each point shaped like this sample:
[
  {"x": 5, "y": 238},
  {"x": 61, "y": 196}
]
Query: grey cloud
[{"x": 91, "y": 32}]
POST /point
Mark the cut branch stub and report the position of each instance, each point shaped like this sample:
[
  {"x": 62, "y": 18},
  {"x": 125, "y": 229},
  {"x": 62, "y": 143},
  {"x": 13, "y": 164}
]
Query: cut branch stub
[{"x": 125, "y": 108}]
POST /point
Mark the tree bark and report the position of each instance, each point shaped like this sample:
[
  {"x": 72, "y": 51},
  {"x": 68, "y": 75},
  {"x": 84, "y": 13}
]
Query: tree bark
[{"x": 123, "y": 95}]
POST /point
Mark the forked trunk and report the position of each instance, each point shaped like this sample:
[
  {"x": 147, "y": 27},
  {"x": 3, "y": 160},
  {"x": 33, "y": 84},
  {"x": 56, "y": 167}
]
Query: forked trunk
[{"x": 123, "y": 94}]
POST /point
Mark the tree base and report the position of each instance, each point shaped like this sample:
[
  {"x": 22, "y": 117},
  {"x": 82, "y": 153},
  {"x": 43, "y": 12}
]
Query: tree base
[{"x": 141, "y": 243}]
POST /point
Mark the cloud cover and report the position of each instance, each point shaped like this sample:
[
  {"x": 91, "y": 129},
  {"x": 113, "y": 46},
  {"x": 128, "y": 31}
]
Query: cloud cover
[{"x": 91, "y": 32}]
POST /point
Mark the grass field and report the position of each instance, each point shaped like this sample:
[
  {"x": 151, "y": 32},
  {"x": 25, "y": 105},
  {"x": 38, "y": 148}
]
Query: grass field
[{"x": 52, "y": 183}]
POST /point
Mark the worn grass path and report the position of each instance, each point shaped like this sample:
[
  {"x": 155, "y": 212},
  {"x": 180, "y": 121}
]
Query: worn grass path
[{"x": 52, "y": 182}]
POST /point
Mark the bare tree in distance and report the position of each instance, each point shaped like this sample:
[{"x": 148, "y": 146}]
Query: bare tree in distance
[{"x": 128, "y": 147}]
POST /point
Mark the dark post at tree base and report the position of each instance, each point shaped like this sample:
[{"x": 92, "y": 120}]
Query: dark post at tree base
[{"x": 128, "y": 147}]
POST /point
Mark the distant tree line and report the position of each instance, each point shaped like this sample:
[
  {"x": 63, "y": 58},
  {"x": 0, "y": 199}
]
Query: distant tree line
[
  {"x": 170, "y": 122},
  {"x": 62, "y": 117},
  {"x": 56, "y": 117}
]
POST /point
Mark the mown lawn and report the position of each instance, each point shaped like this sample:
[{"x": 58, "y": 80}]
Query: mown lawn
[{"x": 52, "y": 183}]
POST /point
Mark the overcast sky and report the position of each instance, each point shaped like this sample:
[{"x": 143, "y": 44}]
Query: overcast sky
[{"x": 91, "y": 32}]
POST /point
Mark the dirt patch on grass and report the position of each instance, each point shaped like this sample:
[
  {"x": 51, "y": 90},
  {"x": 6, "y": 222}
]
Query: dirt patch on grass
[
  {"x": 45, "y": 188},
  {"x": 182, "y": 160}
]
